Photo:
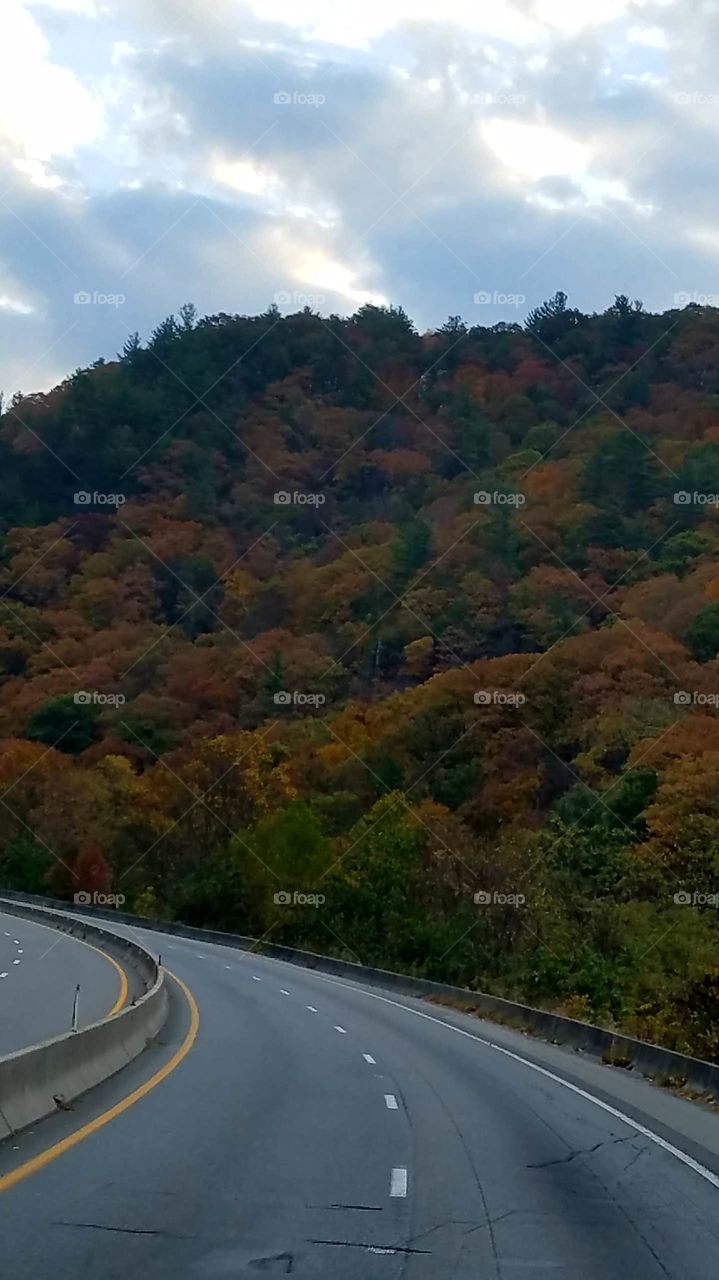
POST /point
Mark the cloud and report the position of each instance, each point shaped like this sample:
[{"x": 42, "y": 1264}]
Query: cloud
[{"x": 229, "y": 154}]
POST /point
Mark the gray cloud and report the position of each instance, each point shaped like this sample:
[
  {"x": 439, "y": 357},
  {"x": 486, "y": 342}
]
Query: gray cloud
[{"x": 440, "y": 162}]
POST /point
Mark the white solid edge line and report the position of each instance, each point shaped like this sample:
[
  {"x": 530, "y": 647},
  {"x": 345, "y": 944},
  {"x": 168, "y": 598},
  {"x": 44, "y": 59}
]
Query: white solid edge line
[
  {"x": 398, "y": 1182},
  {"x": 391, "y": 1102},
  {"x": 689, "y": 1161},
  {"x": 341, "y": 1030},
  {"x": 368, "y": 1058}
]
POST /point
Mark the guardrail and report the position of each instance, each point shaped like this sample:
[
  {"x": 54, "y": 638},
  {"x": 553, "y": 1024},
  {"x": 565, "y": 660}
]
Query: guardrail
[
  {"x": 662, "y": 1065},
  {"x": 36, "y": 1080}
]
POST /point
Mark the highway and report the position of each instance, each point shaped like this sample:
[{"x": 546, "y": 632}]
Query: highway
[
  {"x": 39, "y": 971},
  {"x": 290, "y": 1123}
]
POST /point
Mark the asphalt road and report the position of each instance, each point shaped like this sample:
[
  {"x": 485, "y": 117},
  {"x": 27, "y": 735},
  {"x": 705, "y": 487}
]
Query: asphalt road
[
  {"x": 39, "y": 971},
  {"x": 320, "y": 1130}
]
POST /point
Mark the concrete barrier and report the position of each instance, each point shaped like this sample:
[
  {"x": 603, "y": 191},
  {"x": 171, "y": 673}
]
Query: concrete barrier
[
  {"x": 34, "y": 1081},
  {"x": 660, "y": 1064}
]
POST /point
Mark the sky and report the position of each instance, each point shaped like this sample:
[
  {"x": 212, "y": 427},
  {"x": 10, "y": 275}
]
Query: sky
[{"x": 462, "y": 158}]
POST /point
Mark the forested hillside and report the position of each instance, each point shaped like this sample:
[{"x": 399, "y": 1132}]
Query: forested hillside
[{"x": 419, "y": 632}]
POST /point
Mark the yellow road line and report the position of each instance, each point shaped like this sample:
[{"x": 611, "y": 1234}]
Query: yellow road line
[
  {"x": 66, "y": 1144},
  {"x": 122, "y": 997}
]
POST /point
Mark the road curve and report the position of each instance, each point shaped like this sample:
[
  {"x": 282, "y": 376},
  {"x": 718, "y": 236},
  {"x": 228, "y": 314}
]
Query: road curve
[
  {"x": 40, "y": 969},
  {"x": 313, "y": 1128}
]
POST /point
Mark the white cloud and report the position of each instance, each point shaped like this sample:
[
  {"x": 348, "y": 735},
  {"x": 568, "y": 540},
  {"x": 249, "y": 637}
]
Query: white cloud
[
  {"x": 45, "y": 110},
  {"x": 142, "y": 136},
  {"x": 534, "y": 151},
  {"x": 244, "y": 176},
  {"x": 650, "y": 37},
  {"x": 316, "y": 269},
  {"x": 15, "y": 305}
]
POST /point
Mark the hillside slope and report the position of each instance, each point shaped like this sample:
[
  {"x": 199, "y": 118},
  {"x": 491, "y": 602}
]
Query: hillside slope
[{"x": 398, "y": 645}]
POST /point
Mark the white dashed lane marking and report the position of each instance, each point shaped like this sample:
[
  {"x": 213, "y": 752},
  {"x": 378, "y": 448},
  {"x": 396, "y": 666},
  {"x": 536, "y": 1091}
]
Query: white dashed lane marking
[
  {"x": 391, "y": 1102},
  {"x": 341, "y": 1031},
  {"x": 311, "y": 1008},
  {"x": 398, "y": 1182},
  {"x": 255, "y": 978},
  {"x": 283, "y": 992},
  {"x": 368, "y": 1058}
]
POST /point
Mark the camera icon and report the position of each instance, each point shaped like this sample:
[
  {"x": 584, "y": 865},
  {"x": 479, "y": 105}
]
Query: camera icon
[
  {"x": 82, "y": 698},
  {"x": 682, "y": 498},
  {"x": 283, "y": 98},
  {"x": 683, "y": 899},
  {"x": 283, "y": 898},
  {"x": 482, "y": 697},
  {"x": 482, "y": 898},
  {"x": 482, "y": 299},
  {"x": 82, "y": 898},
  {"x": 81, "y": 498},
  {"x": 682, "y": 698},
  {"x": 283, "y": 298},
  {"x": 82, "y": 297},
  {"x": 282, "y": 698},
  {"x": 482, "y": 499},
  {"x": 283, "y": 498}
]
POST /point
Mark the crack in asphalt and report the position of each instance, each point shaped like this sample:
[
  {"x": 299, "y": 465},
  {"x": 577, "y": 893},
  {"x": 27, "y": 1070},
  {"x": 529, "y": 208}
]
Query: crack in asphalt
[
  {"x": 583, "y": 1151},
  {"x": 128, "y": 1231},
  {"x": 371, "y": 1248}
]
